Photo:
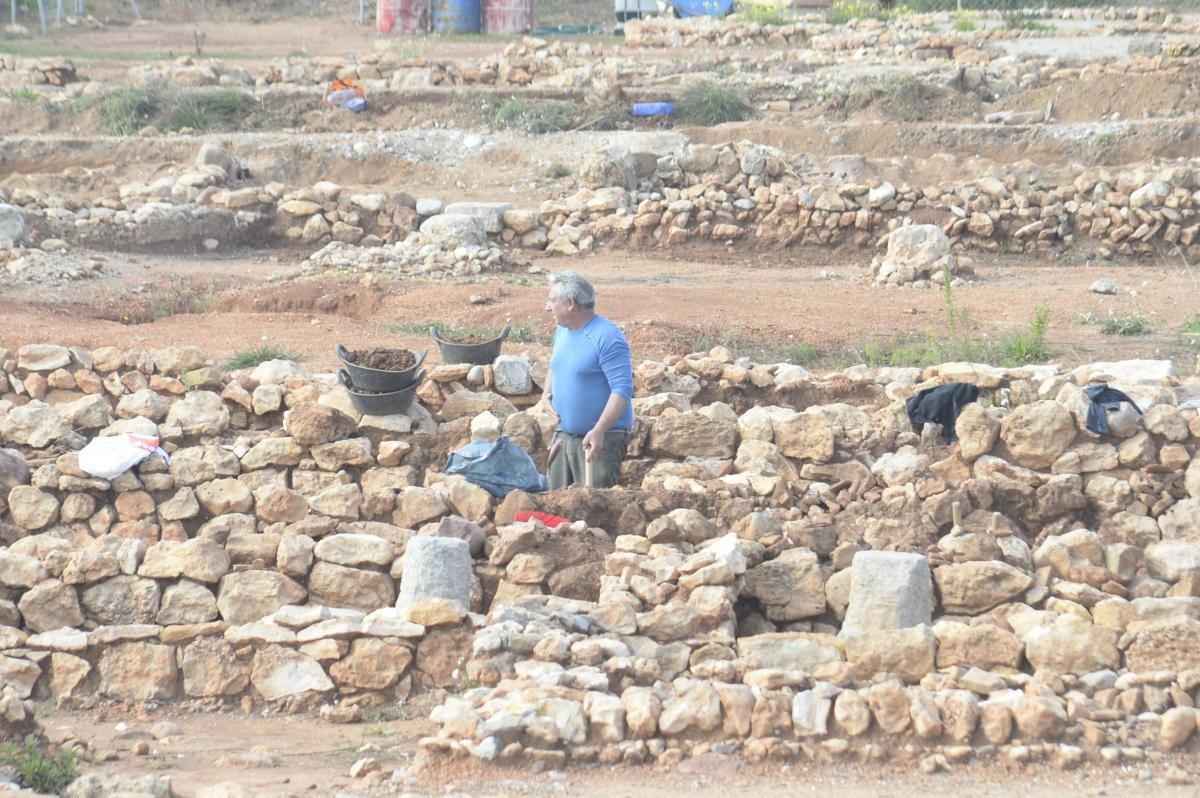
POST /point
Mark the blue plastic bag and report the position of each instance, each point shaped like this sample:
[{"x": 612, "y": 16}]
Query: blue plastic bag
[
  {"x": 653, "y": 109},
  {"x": 498, "y": 467}
]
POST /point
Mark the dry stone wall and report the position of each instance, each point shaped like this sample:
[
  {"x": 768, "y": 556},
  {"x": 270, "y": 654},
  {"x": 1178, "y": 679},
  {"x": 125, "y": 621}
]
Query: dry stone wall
[
  {"x": 788, "y": 577},
  {"x": 744, "y": 193}
]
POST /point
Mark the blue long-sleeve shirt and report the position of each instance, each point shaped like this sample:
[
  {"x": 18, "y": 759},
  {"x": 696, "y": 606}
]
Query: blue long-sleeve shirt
[{"x": 586, "y": 367}]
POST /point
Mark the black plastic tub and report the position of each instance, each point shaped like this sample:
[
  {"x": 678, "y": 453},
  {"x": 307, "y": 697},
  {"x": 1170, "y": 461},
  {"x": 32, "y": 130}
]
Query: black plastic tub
[
  {"x": 481, "y": 353},
  {"x": 379, "y": 404},
  {"x": 378, "y": 379}
]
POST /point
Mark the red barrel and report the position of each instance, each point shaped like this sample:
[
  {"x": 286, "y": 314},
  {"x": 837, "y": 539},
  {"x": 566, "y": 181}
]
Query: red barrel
[
  {"x": 401, "y": 17},
  {"x": 507, "y": 16}
]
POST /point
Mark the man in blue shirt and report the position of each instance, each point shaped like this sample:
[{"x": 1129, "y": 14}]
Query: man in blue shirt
[{"x": 589, "y": 387}]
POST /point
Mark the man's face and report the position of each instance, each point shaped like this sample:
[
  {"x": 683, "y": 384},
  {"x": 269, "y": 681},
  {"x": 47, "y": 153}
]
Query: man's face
[{"x": 557, "y": 307}]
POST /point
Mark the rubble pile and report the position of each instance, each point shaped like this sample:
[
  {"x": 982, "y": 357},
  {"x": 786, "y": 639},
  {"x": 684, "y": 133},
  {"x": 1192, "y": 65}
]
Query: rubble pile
[
  {"x": 769, "y": 570},
  {"x": 47, "y": 267}
]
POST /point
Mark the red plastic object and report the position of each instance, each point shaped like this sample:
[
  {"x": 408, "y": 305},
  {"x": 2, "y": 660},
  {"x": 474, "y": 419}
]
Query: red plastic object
[{"x": 520, "y": 516}]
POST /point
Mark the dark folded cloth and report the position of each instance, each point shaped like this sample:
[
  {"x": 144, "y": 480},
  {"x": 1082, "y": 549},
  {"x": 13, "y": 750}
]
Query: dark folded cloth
[
  {"x": 941, "y": 405},
  {"x": 1104, "y": 400}
]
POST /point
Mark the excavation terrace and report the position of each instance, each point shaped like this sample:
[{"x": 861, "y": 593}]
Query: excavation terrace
[{"x": 793, "y": 575}]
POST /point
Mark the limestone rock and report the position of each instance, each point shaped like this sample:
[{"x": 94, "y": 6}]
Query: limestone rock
[
  {"x": 1038, "y": 433},
  {"x": 279, "y": 672},
  {"x": 889, "y": 590},
  {"x": 210, "y": 668},
  {"x": 972, "y": 588},
  {"x": 138, "y": 672},
  {"x": 247, "y": 596},
  {"x": 372, "y": 664},
  {"x": 199, "y": 413}
]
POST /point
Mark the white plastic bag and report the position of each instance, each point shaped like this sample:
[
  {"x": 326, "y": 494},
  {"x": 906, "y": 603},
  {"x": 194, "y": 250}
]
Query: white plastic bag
[{"x": 111, "y": 456}]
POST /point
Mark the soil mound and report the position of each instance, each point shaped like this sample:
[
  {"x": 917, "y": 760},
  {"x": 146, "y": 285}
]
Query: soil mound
[{"x": 383, "y": 359}]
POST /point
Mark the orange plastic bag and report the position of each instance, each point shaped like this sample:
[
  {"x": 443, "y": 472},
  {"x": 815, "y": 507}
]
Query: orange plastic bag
[{"x": 346, "y": 93}]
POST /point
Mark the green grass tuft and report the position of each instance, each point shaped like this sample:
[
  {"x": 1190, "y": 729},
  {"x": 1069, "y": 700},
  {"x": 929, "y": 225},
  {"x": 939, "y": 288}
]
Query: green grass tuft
[
  {"x": 552, "y": 116},
  {"x": 1029, "y": 347},
  {"x": 520, "y": 333},
  {"x": 1191, "y": 326},
  {"x": 1126, "y": 324},
  {"x": 37, "y": 770},
  {"x": 127, "y": 110},
  {"x": 708, "y": 103},
  {"x": 249, "y": 358},
  {"x": 767, "y": 15},
  {"x": 207, "y": 110}
]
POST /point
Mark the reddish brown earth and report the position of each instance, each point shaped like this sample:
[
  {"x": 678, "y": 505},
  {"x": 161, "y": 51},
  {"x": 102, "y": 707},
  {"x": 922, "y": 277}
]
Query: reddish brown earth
[
  {"x": 813, "y": 306},
  {"x": 313, "y": 758}
]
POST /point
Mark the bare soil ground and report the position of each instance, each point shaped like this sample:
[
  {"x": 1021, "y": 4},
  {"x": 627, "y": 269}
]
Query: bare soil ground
[
  {"x": 814, "y": 307},
  {"x": 274, "y": 756}
]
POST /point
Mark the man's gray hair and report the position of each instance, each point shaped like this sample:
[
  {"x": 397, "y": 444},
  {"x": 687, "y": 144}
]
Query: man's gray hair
[{"x": 572, "y": 287}]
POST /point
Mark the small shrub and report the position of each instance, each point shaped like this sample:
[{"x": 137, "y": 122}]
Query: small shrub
[
  {"x": 558, "y": 171},
  {"x": 37, "y": 770},
  {"x": 551, "y": 116},
  {"x": 207, "y": 110},
  {"x": 249, "y": 358},
  {"x": 707, "y": 103},
  {"x": 527, "y": 333},
  {"x": 1191, "y": 326},
  {"x": 1016, "y": 20},
  {"x": 128, "y": 110},
  {"x": 1126, "y": 324},
  {"x": 1102, "y": 139},
  {"x": 907, "y": 98},
  {"x": 843, "y": 11},
  {"x": 767, "y": 15},
  {"x": 456, "y": 332},
  {"x": 1029, "y": 347},
  {"x": 963, "y": 25}
]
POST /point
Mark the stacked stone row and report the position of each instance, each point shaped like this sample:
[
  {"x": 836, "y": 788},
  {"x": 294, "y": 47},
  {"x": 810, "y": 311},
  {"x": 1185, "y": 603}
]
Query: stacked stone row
[
  {"x": 185, "y": 579},
  {"x": 738, "y": 192},
  {"x": 1014, "y": 628},
  {"x": 906, "y": 32},
  {"x": 279, "y": 493},
  {"x": 746, "y": 192}
]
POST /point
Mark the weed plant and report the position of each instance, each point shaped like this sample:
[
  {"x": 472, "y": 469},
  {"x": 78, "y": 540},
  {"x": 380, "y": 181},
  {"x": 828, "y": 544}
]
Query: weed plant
[
  {"x": 1125, "y": 324},
  {"x": 127, "y": 110},
  {"x": 207, "y": 110},
  {"x": 541, "y": 117},
  {"x": 767, "y": 15},
  {"x": 521, "y": 333},
  {"x": 708, "y": 103},
  {"x": 38, "y": 770},
  {"x": 249, "y": 358},
  {"x": 906, "y": 98}
]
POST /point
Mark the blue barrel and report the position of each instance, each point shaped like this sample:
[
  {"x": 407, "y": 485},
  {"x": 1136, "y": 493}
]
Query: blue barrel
[{"x": 456, "y": 16}]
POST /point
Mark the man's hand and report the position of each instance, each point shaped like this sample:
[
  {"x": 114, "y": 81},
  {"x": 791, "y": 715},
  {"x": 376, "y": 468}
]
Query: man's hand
[
  {"x": 593, "y": 442},
  {"x": 548, "y": 408}
]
